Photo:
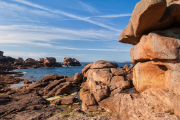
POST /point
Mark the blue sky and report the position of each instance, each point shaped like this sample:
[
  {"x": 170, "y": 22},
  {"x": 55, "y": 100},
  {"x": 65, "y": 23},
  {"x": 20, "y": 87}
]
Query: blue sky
[{"x": 87, "y": 30}]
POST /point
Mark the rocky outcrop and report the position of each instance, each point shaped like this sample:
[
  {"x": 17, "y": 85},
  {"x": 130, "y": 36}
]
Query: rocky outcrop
[
  {"x": 154, "y": 30},
  {"x": 71, "y": 62},
  {"x": 29, "y": 62},
  {"x": 51, "y": 62},
  {"x": 102, "y": 79},
  {"x": 151, "y": 16},
  {"x": 19, "y": 61}
]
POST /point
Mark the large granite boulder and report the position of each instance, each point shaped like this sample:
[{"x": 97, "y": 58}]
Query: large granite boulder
[
  {"x": 71, "y": 62},
  {"x": 159, "y": 45},
  {"x": 150, "y": 16}
]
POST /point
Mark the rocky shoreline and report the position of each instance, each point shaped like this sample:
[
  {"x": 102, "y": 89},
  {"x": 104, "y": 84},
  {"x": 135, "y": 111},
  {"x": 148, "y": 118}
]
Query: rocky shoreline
[
  {"x": 57, "y": 96},
  {"x": 49, "y": 62}
]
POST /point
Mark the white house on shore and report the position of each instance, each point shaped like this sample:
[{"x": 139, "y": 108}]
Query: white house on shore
[{"x": 1, "y": 56}]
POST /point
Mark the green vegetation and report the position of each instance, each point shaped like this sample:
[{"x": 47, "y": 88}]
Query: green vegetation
[
  {"x": 171, "y": 113},
  {"x": 7, "y": 59}
]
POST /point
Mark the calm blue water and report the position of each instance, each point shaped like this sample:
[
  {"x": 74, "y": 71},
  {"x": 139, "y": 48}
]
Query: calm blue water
[{"x": 39, "y": 73}]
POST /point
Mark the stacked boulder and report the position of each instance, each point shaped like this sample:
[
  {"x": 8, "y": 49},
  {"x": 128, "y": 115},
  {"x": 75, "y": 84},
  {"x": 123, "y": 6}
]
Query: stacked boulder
[
  {"x": 154, "y": 30},
  {"x": 71, "y": 62},
  {"x": 102, "y": 80}
]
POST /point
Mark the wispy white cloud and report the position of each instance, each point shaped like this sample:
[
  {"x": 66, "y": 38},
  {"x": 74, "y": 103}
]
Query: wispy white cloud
[
  {"x": 55, "y": 11},
  {"x": 88, "y": 7},
  {"x": 14, "y": 10},
  {"x": 114, "y": 15},
  {"x": 24, "y": 33},
  {"x": 37, "y": 55}
]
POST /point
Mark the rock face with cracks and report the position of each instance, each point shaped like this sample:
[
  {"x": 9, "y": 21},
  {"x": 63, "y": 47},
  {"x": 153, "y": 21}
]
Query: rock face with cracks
[
  {"x": 154, "y": 30},
  {"x": 102, "y": 79}
]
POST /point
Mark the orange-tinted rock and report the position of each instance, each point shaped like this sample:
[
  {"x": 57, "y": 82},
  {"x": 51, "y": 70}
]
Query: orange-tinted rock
[
  {"x": 103, "y": 64},
  {"x": 145, "y": 17},
  {"x": 147, "y": 75},
  {"x": 172, "y": 76},
  {"x": 159, "y": 45}
]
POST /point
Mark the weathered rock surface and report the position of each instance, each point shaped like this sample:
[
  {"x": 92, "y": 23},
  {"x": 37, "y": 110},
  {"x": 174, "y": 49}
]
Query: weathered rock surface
[
  {"x": 160, "y": 45},
  {"x": 154, "y": 30},
  {"x": 102, "y": 79},
  {"x": 146, "y": 75},
  {"x": 103, "y": 64}
]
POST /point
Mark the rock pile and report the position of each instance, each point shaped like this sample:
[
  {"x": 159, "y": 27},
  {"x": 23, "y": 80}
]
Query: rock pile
[
  {"x": 52, "y": 85},
  {"x": 71, "y": 62},
  {"x": 103, "y": 80},
  {"x": 154, "y": 30}
]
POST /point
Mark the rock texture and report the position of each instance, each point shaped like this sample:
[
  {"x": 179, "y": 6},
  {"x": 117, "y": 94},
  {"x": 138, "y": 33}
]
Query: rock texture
[
  {"x": 102, "y": 79},
  {"x": 154, "y": 30}
]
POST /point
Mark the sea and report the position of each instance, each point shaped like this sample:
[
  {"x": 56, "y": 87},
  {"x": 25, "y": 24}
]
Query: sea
[{"x": 39, "y": 73}]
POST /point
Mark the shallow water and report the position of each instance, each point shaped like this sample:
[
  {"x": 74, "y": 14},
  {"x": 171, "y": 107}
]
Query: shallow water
[{"x": 39, "y": 73}]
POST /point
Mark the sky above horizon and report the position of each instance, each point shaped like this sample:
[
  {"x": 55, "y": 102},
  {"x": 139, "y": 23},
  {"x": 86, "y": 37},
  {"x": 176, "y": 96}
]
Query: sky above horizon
[{"x": 87, "y": 30}]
